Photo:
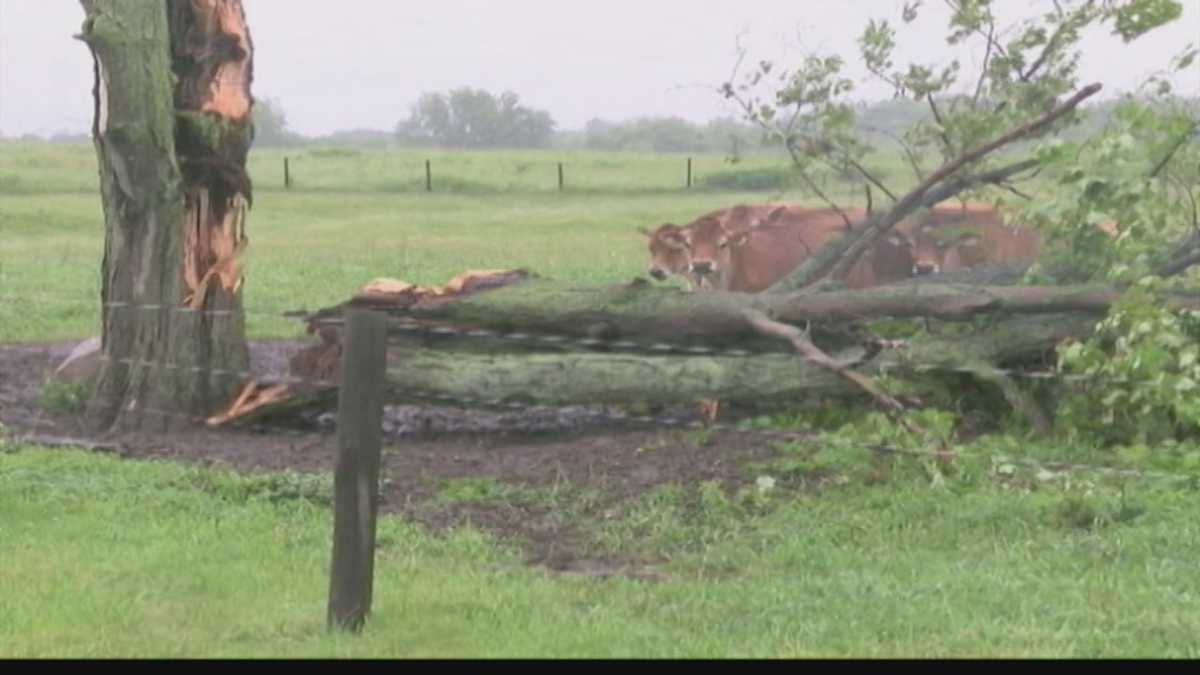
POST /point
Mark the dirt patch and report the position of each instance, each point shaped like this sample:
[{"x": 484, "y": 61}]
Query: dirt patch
[{"x": 531, "y": 453}]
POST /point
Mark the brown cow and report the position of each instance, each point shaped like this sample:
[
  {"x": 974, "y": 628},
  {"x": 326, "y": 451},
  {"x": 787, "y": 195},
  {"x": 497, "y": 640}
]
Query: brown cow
[
  {"x": 889, "y": 259},
  {"x": 753, "y": 259},
  {"x": 668, "y": 243},
  {"x": 949, "y": 239},
  {"x": 670, "y": 254}
]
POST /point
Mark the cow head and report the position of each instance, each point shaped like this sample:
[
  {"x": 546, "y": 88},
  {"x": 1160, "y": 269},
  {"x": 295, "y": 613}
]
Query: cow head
[
  {"x": 668, "y": 250},
  {"x": 891, "y": 258},
  {"x": 710, "y": 242},
  {"x": 937, "y": 249}
]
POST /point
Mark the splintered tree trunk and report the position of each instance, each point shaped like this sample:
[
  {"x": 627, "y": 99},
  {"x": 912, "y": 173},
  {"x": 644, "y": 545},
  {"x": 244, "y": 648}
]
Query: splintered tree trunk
[{"x": 172, "y": 128}]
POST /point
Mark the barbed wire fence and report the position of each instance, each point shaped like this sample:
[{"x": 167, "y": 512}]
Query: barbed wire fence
[{"x": 403, "y": 326}]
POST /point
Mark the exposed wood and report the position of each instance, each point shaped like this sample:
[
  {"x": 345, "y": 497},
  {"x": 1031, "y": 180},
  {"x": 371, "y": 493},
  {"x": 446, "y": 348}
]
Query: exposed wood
[
  {"x": 253, "y": 396},
  {"x": 261, "y": 401},
  {"x": 356, "y": 481},
  {"x": 212, "y": 60},
  {"x": 171, "y": 128},
  {"x": 398, "y": 295}
]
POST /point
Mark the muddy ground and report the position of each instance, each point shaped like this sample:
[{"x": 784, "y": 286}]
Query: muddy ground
[{"x": 425, "y": 447}]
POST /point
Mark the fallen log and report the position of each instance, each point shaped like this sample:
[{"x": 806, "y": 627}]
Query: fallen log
[
  {"x": 414, "y": 374},
  {"x": 646, "y": 314},
  {"x": 554, "y": 379},
  {"x": 736, "y": 363}
]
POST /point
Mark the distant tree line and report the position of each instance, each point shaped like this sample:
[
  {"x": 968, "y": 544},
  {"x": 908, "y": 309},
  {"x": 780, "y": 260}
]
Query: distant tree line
[
  {"x": 671, "y": 134},
  {"x": 475, "y": 119}
]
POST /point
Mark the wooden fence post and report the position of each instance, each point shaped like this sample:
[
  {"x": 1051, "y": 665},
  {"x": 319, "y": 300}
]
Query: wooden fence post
[
  {"x": 287, "y": 174},
  {"x": 428, "y": 177},
  {"x": 560, "y": 176},
  {"x": 356, "y": 481},
  {"x": 689, "y": 173}
]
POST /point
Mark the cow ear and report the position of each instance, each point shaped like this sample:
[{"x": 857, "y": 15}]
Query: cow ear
[{"x": 776, "y": 214}]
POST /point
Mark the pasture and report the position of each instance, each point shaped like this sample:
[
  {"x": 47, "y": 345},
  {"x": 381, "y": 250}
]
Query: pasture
[
  {"x": 353, "y": 217},
  {"x": 602, "y": 543}
]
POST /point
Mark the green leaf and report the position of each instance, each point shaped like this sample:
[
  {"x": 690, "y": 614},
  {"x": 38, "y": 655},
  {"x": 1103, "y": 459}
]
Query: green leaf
[{"x": 1113, "y": 398}]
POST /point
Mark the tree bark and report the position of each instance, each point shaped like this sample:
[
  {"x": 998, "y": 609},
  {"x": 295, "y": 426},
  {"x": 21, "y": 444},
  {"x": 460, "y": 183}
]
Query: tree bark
[
  {"x": 557, "y": 379},
  {"x": 648, "y": 315},
  {"x": 168, "y": 224}
]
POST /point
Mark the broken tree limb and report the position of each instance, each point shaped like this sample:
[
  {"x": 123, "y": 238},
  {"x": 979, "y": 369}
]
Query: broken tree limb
[
  {"x": 812, "y": 269},
  {"x": 846, "y": 250},
  {"x": 912, "y": 200},
  {"x": 808, "y": 350}
]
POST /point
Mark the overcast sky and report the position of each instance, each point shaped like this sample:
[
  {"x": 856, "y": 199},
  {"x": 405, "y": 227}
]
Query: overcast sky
[{"x": 361, "y": 63}]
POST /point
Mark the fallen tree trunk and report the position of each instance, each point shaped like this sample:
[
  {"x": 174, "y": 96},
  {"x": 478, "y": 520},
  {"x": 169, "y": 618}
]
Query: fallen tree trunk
[
  {"x": 555, "y": 379},
  {"x": 417, "y": 373},
  {"x": 647, "y": 315}
]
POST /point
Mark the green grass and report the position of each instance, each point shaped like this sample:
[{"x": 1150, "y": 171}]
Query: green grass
[
  {"x": 343, "y": 226},
  {"x": 63, "y": 397},
  {"x": 102, "y": 557},
  {"x": 464, "y": 490}
]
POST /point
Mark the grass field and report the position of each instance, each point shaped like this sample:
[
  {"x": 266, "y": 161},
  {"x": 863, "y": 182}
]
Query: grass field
[
  {"x": 339, "y": 228},
  {"x": 108, "y": 557}
]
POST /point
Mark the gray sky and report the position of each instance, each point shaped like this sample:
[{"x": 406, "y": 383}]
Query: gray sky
[{"x": 612, "y": 59}]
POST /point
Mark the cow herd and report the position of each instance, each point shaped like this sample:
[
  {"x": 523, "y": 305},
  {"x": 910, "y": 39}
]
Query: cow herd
[{"x": 747, "y": 248}]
